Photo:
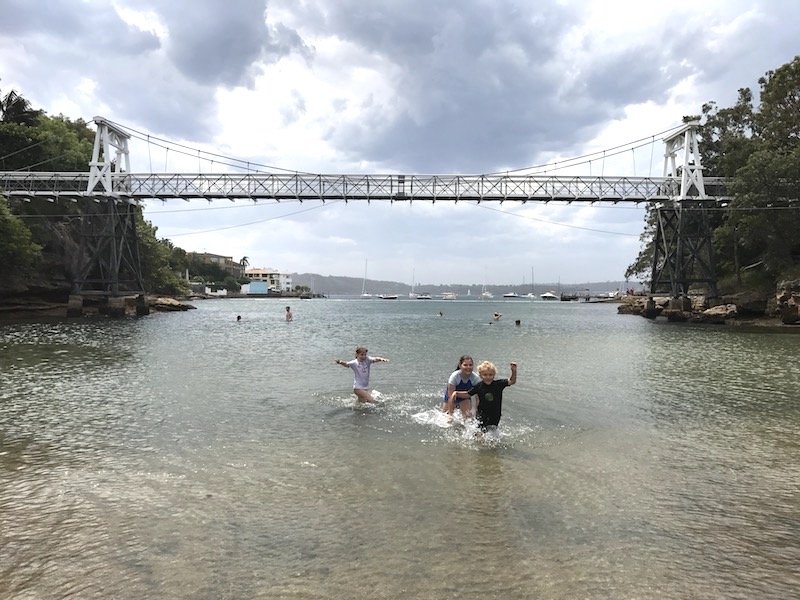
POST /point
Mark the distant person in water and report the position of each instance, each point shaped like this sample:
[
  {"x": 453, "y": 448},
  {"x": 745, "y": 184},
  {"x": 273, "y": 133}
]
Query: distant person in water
[
  {"x": 490, "y": 394},
  {"x": 361, "y": 365},
  {"x": 460, "y": 380},
  {"x": 496, "y": 316},
  {"x": 517, "y": 322},
  {"x": 238, "y": 318},
  {"x": 289, "y": 315}
]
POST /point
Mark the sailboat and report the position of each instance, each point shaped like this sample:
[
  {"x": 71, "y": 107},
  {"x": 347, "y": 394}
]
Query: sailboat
[
  {"x": 531, "y": 295},
  {"x": 364, "y": 293},
  {"x": 412, "y": 294},
  {"x": 484, "y": 294}
]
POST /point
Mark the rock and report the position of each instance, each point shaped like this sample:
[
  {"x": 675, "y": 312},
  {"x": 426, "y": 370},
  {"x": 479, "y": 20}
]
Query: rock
[
  {"x": 166, "y": 304},
  {"x": 747, "y": 303},
  {"x": 787, "y": 302},
  {"x": 789, "y": 313},
  {"x": 676, "y": 315},
  {"x": 719, "y": 314}
]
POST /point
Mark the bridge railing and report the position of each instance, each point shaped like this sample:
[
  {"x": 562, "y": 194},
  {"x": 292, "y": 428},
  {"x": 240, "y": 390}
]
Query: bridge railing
[{"x": 137, "y": 186}]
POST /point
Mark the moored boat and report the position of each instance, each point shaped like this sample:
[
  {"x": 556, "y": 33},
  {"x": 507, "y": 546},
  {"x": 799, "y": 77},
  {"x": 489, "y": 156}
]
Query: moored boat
[{"x": 364, "y": 293}]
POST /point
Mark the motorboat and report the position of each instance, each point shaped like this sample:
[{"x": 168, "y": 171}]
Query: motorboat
[
  {"x": 387, "y": 296},
  {"x": 511, "y": 295},
  {"x": 449, "y": 296},
  {"x": 548, "y": 296},
  {"x": 423, "y": 296},
  {"x": 486, "y": 295}
]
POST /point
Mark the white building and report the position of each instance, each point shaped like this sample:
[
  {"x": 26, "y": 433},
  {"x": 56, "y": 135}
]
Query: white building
[{"x": 274, "y": 279}]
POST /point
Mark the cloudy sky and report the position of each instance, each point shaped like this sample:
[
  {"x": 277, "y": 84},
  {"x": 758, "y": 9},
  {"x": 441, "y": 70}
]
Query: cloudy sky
[{"x": 399, "y": 86}]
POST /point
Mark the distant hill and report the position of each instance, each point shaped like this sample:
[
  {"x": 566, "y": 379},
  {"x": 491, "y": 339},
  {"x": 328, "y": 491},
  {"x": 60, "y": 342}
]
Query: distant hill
[{"x": 333, "y": 285}]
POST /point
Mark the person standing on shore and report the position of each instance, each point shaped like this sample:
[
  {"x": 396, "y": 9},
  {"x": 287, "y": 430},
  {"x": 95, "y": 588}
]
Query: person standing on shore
[
  {"x": 361, "y": 365},
  {"x": 289, "y": 315}
]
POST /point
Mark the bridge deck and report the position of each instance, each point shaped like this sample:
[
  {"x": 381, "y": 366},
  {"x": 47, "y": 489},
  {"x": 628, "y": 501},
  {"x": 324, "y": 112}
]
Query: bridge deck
[{"x": 133, "y": 187}]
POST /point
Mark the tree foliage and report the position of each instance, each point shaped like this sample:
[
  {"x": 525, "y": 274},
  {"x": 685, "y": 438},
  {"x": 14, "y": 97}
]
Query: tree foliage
[
  {"x": 39, "y": 242},
  {"x": 758, "y": 150},
  {"x": 19, "y": 254},
  {"x": 156, "y": 257}
]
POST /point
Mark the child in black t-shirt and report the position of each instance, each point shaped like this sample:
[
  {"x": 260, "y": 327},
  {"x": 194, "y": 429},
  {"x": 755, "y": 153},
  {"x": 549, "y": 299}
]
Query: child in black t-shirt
[{"x": 490, "y": 394}]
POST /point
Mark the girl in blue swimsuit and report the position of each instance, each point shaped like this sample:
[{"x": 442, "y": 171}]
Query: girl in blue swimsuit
[{"x": 461, "y": 380}]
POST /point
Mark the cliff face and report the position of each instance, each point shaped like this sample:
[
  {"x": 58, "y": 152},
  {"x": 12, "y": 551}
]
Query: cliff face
[{"x": 60, "y": 259}]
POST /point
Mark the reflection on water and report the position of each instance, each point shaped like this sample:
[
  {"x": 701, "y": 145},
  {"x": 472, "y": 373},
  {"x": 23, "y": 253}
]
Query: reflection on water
[{"x": 188, "y": 455}]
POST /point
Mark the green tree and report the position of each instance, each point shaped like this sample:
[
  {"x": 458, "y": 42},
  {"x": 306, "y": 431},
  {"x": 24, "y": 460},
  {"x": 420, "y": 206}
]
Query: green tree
[
  {"x": 757, "y": 150},
  {"x": 154, "y": 257},
  {"x": 19, "y": 254},
  {"x": 641, "y": 268},
  {"x": 727, "y": 136},
  {"x": 16, "y": 109},
  {"x": 778, "y": 120},
  {"x": 230, "y": 284},
  {"x": 762, "y": 226}
]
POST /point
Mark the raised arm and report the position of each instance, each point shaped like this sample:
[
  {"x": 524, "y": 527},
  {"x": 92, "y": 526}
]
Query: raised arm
[
  {"x": 379, "y": 359},
  {"x": 341, "y": 362},
  {"x": 513, "y": 379}
]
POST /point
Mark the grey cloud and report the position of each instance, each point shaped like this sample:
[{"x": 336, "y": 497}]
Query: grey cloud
[
  {"x": 482, "y": 81},
  {"x": 215, "y": 42},
  {"x": 61, "y": 24}
]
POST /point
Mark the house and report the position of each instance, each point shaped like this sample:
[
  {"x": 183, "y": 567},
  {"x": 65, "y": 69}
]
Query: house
[
  {"x": 226, "y": 263},
  {"x": 274, "y": 280}
]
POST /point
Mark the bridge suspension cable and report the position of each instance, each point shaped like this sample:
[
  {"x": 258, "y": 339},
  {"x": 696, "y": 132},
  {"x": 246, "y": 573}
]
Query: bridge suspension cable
[
  {"x": 587, "y": 158},
  {"x": 192, "y": 151},
  {"x": 235, "y": 162}
]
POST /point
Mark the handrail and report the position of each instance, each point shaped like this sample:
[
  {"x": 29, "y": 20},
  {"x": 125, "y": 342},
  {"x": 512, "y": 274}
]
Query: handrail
[{"x": 136, "y": 187}]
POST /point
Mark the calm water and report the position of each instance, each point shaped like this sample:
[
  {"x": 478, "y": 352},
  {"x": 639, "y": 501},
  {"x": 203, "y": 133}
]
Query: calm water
[{"x": 191, "y": 456}]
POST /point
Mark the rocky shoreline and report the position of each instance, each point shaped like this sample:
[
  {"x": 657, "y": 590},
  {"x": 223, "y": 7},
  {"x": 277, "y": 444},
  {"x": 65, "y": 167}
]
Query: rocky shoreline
[
  {"x": 744, "y": 309},
  {"x": 36, "y": 307}
]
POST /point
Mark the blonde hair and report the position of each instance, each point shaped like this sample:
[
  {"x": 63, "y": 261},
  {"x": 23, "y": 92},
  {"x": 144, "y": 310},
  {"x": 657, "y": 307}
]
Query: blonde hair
[{"x": 486, "y": 367}]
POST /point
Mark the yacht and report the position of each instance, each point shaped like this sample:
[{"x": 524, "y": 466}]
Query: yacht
[
  {"x": 548, "y": 296},
  {"x": 387, "y": 296},
  {"x": 486, "y": 295},
  {"x": 423, "y": 296},
  {"x": 449, "y": 296},
  {"x": 364, "y": 293},
  {"x": 511, "y": 295},
  {"x": 412, "y": 294}
]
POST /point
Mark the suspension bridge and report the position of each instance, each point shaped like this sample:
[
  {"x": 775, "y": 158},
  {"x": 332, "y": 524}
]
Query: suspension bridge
[{"x": 109, "y": 194}]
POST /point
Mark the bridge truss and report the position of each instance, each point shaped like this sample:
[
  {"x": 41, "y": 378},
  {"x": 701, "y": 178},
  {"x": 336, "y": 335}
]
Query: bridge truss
[{"x": 682, "y": 254}]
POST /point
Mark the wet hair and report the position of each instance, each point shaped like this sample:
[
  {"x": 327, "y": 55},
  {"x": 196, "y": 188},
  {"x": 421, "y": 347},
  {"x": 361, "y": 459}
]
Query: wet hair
[
  {"x": 486, "y": 367},
  {"x": 462, "y": 359},
  {"x": 361, "y": 349}
]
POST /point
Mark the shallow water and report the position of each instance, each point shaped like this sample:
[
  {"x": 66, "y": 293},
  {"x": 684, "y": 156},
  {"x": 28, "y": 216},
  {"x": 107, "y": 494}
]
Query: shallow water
[{"x": 191, "y": 456}]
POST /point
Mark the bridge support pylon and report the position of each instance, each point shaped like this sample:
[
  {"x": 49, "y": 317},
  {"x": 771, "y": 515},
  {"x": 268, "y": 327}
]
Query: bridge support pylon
[
  {"x": 683, "y": 255},
  {"x": 109, "y": 242}
]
